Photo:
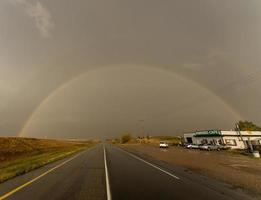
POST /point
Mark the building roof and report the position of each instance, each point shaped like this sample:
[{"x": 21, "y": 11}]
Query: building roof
[{"x": 215, "y": 133}]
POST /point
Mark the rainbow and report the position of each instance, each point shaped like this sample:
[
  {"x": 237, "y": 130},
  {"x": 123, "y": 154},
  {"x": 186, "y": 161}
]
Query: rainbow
[{"x": 28, "y": 122}]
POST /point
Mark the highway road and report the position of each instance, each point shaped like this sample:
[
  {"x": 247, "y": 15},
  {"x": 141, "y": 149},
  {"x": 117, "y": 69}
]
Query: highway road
[{"x": 108, "y": 172}]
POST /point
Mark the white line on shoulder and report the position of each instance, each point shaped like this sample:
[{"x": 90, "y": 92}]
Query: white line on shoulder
[
  {"x": 107, "y": 175},
  {"x": 150, "y": 164}
]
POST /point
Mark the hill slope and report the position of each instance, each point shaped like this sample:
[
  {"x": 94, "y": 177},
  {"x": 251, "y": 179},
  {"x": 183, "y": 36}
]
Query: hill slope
[{"x": 20, "y": 155}]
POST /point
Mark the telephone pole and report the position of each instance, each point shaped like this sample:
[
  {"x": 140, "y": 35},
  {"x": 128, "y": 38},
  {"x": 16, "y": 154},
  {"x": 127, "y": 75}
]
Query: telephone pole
[{"x": 239, "y": 132}]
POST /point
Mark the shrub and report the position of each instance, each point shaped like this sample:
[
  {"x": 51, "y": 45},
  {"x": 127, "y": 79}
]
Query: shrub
[{"x": 125, "y": 138}]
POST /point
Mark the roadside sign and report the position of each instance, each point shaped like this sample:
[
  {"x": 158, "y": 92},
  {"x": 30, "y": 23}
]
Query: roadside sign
[{"x": 208, "y": 133}]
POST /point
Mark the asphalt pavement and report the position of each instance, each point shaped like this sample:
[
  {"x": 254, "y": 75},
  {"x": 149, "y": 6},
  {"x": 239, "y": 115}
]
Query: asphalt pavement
[{"x": 108, "y": 172}]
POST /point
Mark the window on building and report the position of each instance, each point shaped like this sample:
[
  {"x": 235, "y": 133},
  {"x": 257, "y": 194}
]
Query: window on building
[
  {"x": 204, "y": 141},
  {"x": 189, "y": 140},
  {"x": 231, "y": 142}
]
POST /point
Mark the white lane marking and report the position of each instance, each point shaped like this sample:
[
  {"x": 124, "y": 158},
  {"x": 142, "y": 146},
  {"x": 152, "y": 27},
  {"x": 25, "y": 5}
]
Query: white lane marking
[
  {"x": 107, "y": 176},
  {"x": 150, "y": 164}
]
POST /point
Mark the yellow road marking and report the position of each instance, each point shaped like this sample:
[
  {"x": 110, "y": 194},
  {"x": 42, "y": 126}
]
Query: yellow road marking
[{"x": 35, "y": 179}]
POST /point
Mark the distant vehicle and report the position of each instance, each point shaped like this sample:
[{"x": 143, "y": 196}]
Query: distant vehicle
[
  {"x": 192, "y": 146},
  {"x": 209, "y": 147},
  {"x": 163, "y": 144},
  {"x": 224, "y": 147}
]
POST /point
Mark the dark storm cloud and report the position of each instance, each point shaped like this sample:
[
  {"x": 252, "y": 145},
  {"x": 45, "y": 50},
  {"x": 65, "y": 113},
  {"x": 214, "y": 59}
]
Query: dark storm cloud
[{"x": 215, "y": 43}]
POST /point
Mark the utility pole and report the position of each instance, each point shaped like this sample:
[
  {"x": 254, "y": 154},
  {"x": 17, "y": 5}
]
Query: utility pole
[
  {"x": 250, "y": 145},
  {"x": 239, "y": 132}
]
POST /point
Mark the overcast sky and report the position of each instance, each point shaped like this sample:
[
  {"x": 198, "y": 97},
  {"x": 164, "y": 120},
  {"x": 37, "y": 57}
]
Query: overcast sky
[{"x": 97, "y": 68}]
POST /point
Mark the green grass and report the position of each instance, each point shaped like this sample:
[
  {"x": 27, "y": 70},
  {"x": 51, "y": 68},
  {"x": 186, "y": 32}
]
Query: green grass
[{"x": 21, "y": 163}]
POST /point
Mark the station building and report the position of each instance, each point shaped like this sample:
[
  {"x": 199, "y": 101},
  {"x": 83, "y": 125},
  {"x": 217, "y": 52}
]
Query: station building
[{"x": 233, "y": 139}]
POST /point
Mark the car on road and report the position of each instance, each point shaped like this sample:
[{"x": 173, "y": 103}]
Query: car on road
[
  {"x": 163, "y": 144},
  {"x": 192, "y": 146}
]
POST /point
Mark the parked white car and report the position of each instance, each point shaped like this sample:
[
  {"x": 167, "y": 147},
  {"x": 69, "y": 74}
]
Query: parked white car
[
  {"x": 209, "y": 147},
  {"x": 192, "y": 146},
  {"x": 163, "y": 144}
]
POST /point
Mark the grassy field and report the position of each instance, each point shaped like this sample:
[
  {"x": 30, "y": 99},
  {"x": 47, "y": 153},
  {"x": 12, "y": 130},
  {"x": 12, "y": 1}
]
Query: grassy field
[
  {"x": 21, "y": 155},
  {"x": 172, "y": 140}
]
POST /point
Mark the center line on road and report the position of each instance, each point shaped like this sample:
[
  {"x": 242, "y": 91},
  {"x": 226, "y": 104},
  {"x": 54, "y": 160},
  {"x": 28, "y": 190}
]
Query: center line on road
[
  {"x": 150, "y": 164},
  {"x": 38, "y": 177},
  {"x": 107, "y": 175}
]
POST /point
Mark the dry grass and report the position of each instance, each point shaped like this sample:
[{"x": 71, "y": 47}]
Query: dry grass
[
  {"x": 172, "y": 140},
  {"x": 21, "y": 155}
]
